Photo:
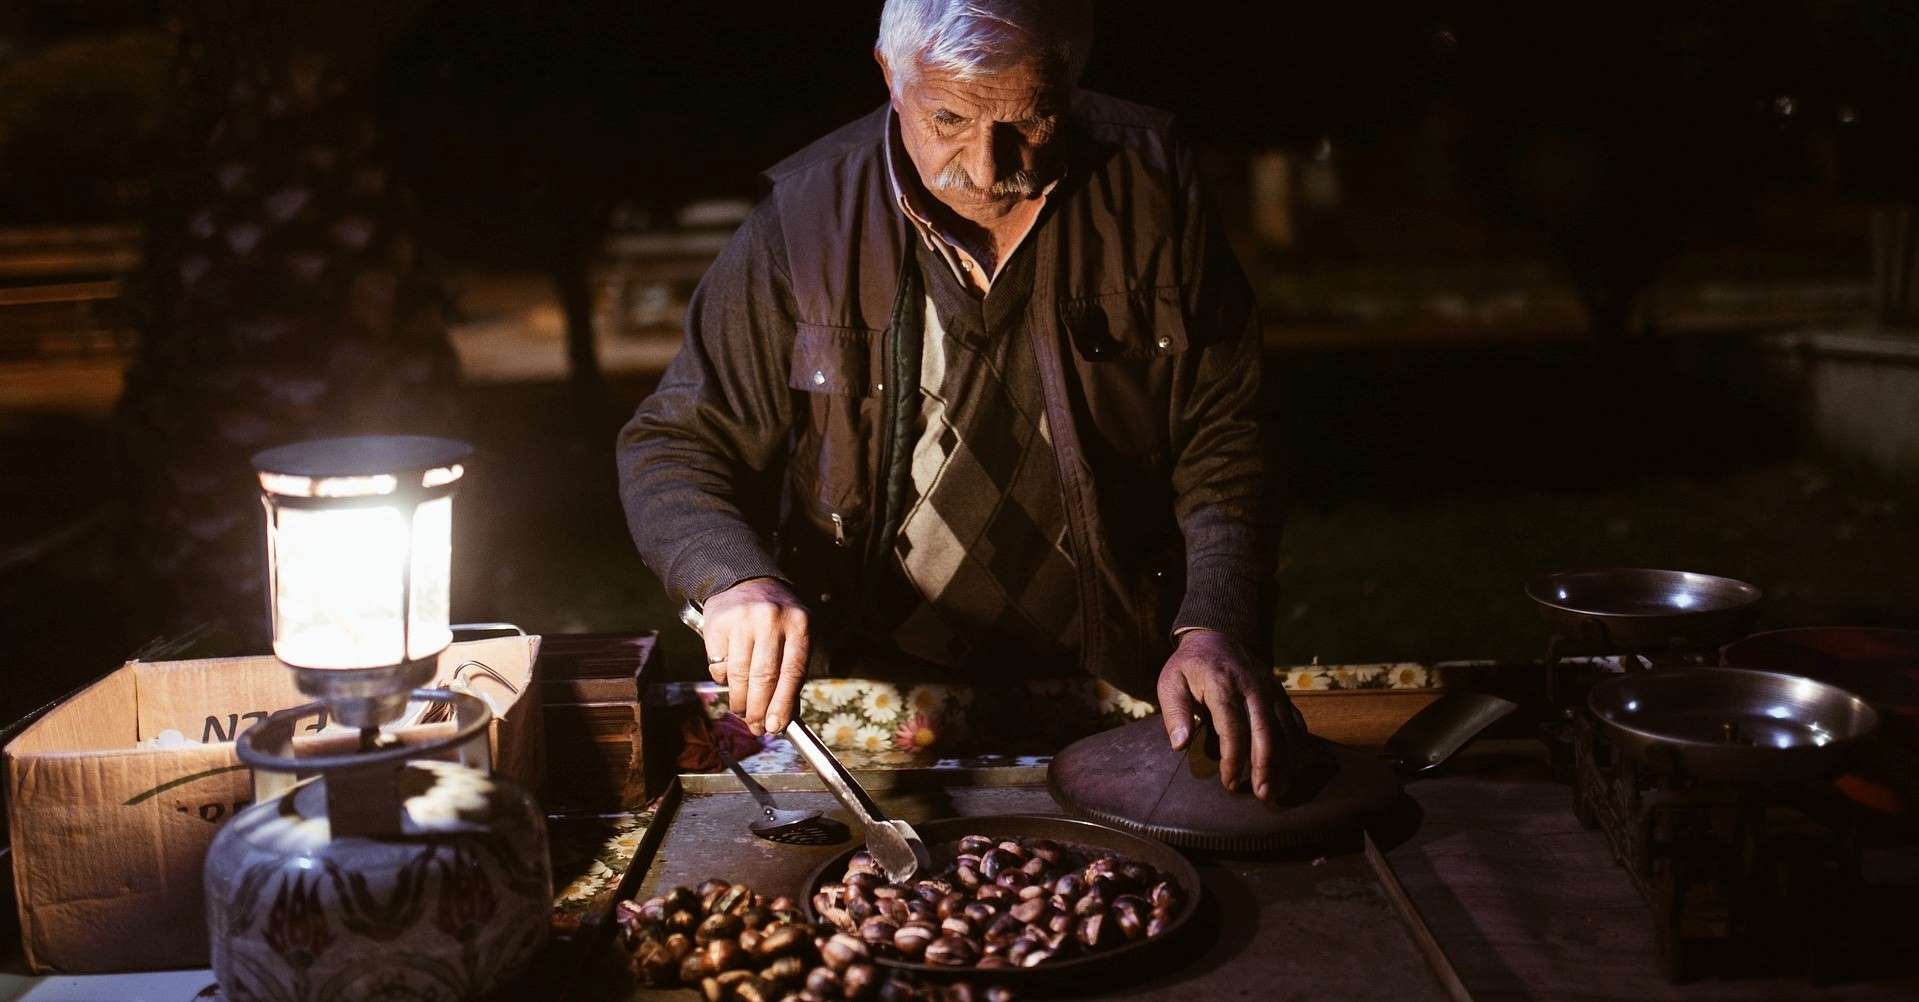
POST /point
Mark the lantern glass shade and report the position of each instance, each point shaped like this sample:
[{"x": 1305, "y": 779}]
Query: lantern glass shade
[{"x": 359, "y": 563}]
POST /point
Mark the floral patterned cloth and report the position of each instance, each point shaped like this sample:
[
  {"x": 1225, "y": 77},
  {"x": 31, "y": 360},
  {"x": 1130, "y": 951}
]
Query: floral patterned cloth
[
  {"x": 590, "y": 855},
  {"x": 889, "y": 724}
]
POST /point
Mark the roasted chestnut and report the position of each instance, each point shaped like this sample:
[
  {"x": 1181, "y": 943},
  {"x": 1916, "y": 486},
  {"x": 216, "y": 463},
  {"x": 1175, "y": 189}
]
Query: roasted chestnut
[
  {"x": 994, "y": 893},
  {"x": 680, "y": 899},
  {"x": 781, "y": 941},
  {"x": 737, "y": 897},
  {"x": 724, "y": 955},
  {"x": 860, "y": 980},
  {"x": 754, "y": 989},
  {"x": 996, "y": 859},
  {"x": 842, "y": 950},
  {"x": 720, "y": 926},
  {"x": 784, "y": 971},
  {"x": 1004, "y": 929},
  {"x": 878, "y": 930},
  {"x": 1096, "y": 932},
  {"x": 655, "y": 965},
  {"x": 911, "y": 939},
  {"x": 824, "y": 982},
  {"x": 693, "y": 967},
  {"x": 951, "y": 951},
  {"x": 967, "y": 875}
]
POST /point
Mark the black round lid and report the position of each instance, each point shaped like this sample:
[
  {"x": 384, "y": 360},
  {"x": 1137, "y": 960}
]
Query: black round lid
[
  {"x": 362, "y": 455},
  {"x": 1131, "y": 778}
]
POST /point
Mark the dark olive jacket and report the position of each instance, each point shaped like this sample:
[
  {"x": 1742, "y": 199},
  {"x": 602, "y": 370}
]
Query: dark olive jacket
[{"x": 776, "y": 444}]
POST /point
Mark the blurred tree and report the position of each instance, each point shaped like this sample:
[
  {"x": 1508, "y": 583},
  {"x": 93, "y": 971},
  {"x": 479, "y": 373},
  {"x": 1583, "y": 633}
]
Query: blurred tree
[
  {"x": 522, "y": 123},
  {"x": 286, "y": 296}
]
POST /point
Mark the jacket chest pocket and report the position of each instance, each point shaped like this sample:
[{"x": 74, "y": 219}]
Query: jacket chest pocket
[
  {"x": 1124, "y": 346},
  {"x": 836, "y": 373}
]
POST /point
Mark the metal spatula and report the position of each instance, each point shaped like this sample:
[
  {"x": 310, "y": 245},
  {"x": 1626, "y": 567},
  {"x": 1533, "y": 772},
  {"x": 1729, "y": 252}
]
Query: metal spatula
[{"x": 784, "y": 826}]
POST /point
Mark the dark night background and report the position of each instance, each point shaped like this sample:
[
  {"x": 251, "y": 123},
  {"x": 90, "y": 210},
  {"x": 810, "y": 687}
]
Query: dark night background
[{"x": 1622, "y": 285}]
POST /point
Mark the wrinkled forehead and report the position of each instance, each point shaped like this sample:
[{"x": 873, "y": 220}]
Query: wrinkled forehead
[{"x": 1024, "y": 86}]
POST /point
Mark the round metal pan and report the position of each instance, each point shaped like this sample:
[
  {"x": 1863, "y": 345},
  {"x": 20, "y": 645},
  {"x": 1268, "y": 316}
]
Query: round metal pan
[
  {"x": 1639, "y": 610},
  {"x": 942, "y": 837},
  {"x": 1880, "y": 665},
  {"x": 1733, "y": 725}
]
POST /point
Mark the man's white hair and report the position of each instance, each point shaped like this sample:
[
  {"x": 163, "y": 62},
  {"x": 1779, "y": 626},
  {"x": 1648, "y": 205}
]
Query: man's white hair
[{"x": 968, "y": 38}]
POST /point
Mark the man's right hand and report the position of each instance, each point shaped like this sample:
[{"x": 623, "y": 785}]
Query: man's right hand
[{"x": 757, "y": 640}]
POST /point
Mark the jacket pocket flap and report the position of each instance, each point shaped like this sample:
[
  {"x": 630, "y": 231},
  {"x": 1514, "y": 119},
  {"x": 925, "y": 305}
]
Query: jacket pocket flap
[
  {"x": 836, "y": 360},
  {"x": 1142, "y": 323}
]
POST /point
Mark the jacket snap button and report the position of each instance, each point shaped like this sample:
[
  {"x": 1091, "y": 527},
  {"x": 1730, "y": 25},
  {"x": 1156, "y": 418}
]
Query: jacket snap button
[
  {"x": 825, "y": 597},
  {"x": 877, "y": 387},
  {"x": 1165, "y": 342},
  {"x": 819, "y": 378}
]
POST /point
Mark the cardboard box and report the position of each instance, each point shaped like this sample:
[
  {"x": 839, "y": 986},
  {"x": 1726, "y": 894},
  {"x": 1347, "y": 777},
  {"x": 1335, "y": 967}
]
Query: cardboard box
[{"x": 109, "y": 833}]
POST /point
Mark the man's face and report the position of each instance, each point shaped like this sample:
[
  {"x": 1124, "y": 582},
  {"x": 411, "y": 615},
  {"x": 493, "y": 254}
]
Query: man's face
[{"x": 982, "y": 144}]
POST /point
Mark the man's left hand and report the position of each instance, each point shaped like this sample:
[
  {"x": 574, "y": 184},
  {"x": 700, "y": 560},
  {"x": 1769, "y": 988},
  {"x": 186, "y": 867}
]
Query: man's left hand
[{"x": 1209, "y": 670}]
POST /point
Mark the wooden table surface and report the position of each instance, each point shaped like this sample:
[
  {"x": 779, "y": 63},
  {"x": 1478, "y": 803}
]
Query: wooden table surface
[{"x": 1529, "y": 905}]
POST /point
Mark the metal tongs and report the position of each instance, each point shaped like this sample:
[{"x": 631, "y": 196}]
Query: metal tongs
[{"x": 895, "y": 846}]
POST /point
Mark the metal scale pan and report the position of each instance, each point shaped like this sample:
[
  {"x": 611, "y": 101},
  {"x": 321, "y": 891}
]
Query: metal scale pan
[
  {"x": 1635, "y": 610},
  {"x": 1733, "y": 725}
]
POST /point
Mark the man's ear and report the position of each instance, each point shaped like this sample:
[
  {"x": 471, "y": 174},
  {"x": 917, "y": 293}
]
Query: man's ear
[{"x": 886, "y": 72}]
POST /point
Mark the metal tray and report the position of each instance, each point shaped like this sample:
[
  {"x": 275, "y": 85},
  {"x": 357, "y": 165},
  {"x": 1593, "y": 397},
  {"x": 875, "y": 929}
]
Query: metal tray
[
  {"x": 943, "y": 835},
  {"x": 1283, "y": 927}
]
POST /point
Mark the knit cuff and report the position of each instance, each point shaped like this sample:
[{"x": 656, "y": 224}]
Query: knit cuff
[{"x": 714, "y": 561}]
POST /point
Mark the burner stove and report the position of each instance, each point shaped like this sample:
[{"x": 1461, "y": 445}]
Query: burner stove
[{"x": 1739, "y": 879}]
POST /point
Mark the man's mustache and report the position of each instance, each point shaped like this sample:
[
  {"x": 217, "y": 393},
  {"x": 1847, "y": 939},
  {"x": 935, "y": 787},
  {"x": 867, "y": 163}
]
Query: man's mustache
[{"x": 953, "y": 177}]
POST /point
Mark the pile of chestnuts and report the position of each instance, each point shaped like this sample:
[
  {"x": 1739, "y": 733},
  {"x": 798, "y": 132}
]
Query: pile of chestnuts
[
  {"x": 733, "y": 945},
  {"x": 1000, "y": 904}
]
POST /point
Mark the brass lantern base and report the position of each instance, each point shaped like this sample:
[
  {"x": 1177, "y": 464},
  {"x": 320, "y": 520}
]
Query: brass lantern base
[{"x": 366, "y": 697}]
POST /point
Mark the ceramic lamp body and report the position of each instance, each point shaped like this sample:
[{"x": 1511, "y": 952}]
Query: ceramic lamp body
[{"x": 452, "y": 907}]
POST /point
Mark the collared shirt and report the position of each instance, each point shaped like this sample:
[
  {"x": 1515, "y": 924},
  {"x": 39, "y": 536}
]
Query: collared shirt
[{"x": 906, "y": 188}]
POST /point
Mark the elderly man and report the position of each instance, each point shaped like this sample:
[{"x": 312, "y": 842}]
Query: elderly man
[{"x": 971, "y": 393}]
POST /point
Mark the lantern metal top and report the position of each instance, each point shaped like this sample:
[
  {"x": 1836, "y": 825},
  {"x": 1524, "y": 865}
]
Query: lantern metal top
[
  {"x": 362, "y": 456},
  {"x": 364, "y": 466}
]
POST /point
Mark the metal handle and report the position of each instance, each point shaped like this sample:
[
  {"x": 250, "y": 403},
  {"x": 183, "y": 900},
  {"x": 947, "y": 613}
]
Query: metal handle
[
  {"x": 840, "y": 782},
  {"x": 760, "y": 796}
]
